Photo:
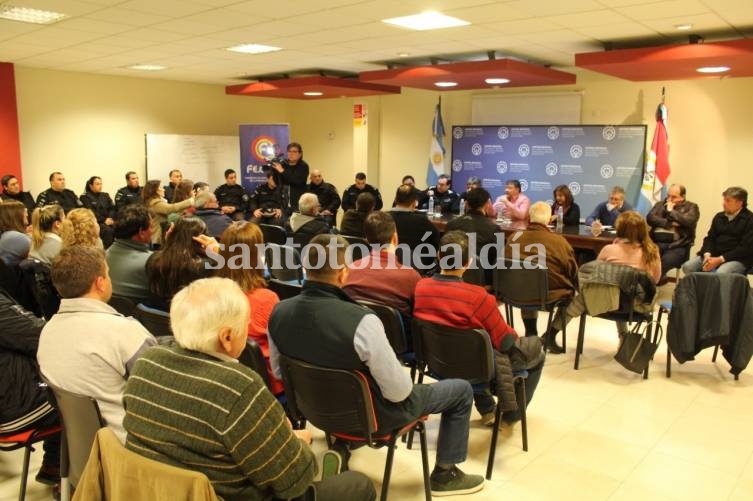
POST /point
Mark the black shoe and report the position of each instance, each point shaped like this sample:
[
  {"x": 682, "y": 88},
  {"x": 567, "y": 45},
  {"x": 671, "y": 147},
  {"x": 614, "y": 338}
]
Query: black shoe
[
  {"x": 48, "y": 474},
  {"x": 550, "y": 342},
  {"x": 454, "y": 482}
]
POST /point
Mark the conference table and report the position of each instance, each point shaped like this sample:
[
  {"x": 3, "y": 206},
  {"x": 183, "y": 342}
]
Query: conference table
[{"x": 580, "y": 237}]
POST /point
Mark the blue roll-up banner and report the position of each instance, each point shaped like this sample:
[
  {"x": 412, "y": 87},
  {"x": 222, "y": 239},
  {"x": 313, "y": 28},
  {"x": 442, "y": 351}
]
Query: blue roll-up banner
[
  {"x": 259, "y": 144},
  {"x": 590, "y": 159}
]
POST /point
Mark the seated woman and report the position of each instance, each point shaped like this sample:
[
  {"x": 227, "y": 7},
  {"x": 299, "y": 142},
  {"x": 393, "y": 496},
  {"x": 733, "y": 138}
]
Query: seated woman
[
  {"x": 14, "y": 242},
  {"x": 154, "y": 199},
  {"x": 633, "y": 247},
  {"x": 46, "y": 223},
  {"x": 563, "y": 198},
  {"x": 242, "y": 265},
  {"x": 179, "y": 262},
  {"x": 182, "y": 192},
  {"x": 353, "y": 219},
  {"x": 81, "y": 228},
  {"x": 101, "y": 205}
]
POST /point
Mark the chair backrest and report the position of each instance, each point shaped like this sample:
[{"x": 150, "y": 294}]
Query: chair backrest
[
  {"x": 253, "y": 358},
  {"x": 36, "y": 277},
  {"x": 123, "y": 305},
  {"x": 333, "y": 400},
  {"x": 360, "y": 246},
  {"x": 273, "y": 234},
  {"x": 284, "y": 290},
  {"x": 448, "y": 352},
  {"x": 514, "y": 284},
  {"x": 81, "y": 421},
  {"x": 475, "y": 273},
  {"x": 393, "y": 325},
  {"x": 284, "y": 262},
  {"x": 155, "y": 321},
  {"x": 302, "y": 239}
]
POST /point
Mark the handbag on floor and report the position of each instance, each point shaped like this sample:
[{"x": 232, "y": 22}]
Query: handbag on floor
[{"x": 636, "y": 350}]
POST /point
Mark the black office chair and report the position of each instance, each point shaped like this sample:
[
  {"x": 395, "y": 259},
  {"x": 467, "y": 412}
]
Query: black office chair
[
  {"x": 273, "y": 234},
  {"x": 122, "y": 304},
  {"x": 81, "y": 420},
  {"x": 339, "y": 402},
  {"x": 625, "y": 313},
  {"x": 284, "y": 263},
  {"x": 520, "y": 287},
  {"x": 357, "y": 246},
  {"x": 394, "y": 327},
  {"x": 36, "y": 277},
  {"x": 284, "y": 290},
  {"x": 155, "y": 321},
  {"x": 445, "y": 352}
]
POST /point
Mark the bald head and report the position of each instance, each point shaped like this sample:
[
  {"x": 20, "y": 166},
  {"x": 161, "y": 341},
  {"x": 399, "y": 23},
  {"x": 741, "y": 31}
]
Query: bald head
[{"x": 316, "y": 177}]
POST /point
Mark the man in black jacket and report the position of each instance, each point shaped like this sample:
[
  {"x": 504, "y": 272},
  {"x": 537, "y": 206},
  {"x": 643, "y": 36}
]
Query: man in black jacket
[
  {"x": 329, "y": 200},
  {"x": 128, "y": 194},
  {"x": 232, "y": 197},
  {"x": 267, "y": 202},
  {"x": 673, "y": 222},
  {"x": 58, "y": 194},
  {"x": 446, "y": 201},
  {"x": 351, "y": 194},
  {"x": 12, "y": 191},
  {"x": 292, "y": 175},
  {"x": 414, "y": 229},
  {"x": 25, "y": 403},
  {"x": 728, "y": 247}
]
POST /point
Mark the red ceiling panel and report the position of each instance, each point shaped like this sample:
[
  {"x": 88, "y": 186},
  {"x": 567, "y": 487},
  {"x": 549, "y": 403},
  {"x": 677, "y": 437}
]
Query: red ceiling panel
[
  {"x": 470, "y": 75},
  {"x": 294, "y": 88},
  {"x": 677, "y": 62}
]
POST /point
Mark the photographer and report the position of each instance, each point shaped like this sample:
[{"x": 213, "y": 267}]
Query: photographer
[{"x": 293, "y": 174}]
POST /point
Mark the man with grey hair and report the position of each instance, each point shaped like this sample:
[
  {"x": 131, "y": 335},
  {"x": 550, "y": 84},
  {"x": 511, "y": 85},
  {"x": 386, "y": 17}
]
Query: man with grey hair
[
  {"x": 728, "y": 246},
  {"x": 212, "y": 215},
  {"x": 192, "y": 405},
  {"x": 559, "y": 258},
  {"x": 342, "y": 334},
  {"x": 87, "y": 347},
  {"x": 307, "y": 220},
  {"x": 606, "y": 212}
]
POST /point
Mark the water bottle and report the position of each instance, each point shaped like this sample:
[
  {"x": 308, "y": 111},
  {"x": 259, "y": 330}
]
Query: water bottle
[
  {"x": 431, "y": 203},
  {"x": 462, "y": 206},
  {"x": 560, "y": 219}
]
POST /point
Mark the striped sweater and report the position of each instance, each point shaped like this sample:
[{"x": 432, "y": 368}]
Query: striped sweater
[{"x": 194, "y": 411}]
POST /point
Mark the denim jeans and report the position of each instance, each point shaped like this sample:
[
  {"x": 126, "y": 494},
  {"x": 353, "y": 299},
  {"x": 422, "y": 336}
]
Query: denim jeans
[
  {"x": 696, "y": 264},
  {"x": 452, "y": 398}
]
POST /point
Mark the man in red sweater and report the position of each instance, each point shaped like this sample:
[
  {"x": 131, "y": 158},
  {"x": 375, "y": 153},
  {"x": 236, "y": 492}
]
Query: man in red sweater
[{"x": 445, "y": 299}]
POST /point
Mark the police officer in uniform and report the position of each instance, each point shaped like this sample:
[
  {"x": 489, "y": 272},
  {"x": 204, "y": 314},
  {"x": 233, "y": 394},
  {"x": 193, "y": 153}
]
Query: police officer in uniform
[
  {"x": 58, "y": 194},
  {"x": 232, "y": 197}
]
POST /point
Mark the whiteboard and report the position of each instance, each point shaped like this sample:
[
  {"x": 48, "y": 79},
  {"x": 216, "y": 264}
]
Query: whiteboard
[
  {"x": 200, "y": 158},
  {"x": 527, "y": 109}
]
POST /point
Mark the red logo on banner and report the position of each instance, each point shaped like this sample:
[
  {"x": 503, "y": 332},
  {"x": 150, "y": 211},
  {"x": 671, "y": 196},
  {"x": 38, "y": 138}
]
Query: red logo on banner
[{"x": 263, "y": 148}]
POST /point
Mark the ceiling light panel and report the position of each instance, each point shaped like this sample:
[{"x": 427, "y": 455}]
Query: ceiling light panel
[
  {"x": 28, "y": 15},
  {"x": 429, "y": 20},
  {"x": 253, "y": 48}
]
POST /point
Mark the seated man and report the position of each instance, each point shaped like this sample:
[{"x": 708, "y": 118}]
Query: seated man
[
  {"x": 267, "y": 202},
  {"x": 605, "y": 214},
  {"x": 232, "y": 197},
  {"x": 212, "y": 215},
  {"x": 728, "y": 246},
  {"x": 476, "y": 220},
  {"x": 446, "y": 201},
  {"x": 87, "y": 347},
  {"x": 360, "y": 186},
  {"x": 673, "y": 222},
  {"x": 513, "y": 205},
  {"x": 379, "y": 276},
  {"x": 559, "y": 259},
  {"x": 24, "y": 401},
  {"x": 341, "y": 334},
  {"x": 445, "y": 299},
  {"x": 307, "y": 220},
  {"x": 327, "y": 194},
  {"x": 192, "y": 405},
  {"x": 352, "y": 223},
  {"x": 128, "y": 254},
  {"x": 413, "y": 230}
]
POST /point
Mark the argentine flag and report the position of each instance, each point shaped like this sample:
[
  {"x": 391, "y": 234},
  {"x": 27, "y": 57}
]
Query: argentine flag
[
  {"x": 436, "y": 150},
  {"x": 654, "y": 186}
]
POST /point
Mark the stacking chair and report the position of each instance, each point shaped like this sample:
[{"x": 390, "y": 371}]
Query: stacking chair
[
  {"x": 36, "y": 278},
  {"x": 339, "y": 402},
  {"x": 253, "y": 358},
  {"x": 284, "y": 290},
  {"x": 122, "y": 304},
  {"x": 519, "y": 287},
  {"x": 301, "y": 239},
  {"x": 284, "y": 263},
  {"x": 446, "y": 352},
  {"x": 394, "y": 327},
  {"x": 625, "y": 313},
  {"x": 25, "y": 440},
  {"x": 273, "y": 234},
  {"x": 358, "y": 251},
  {"x": 475, "y": 274},
  {"x": 81, "y": 419},
  {"x": 156, "y": 321}
]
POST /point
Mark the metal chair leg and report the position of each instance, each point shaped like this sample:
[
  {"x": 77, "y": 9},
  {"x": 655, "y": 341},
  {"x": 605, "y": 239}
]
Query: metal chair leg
[
  {"x": 25, "y": 472},
  {"x": 521, "y": 397},
  {"x": 581, "y": 335},
  {"x": 424, "y": 459},
  {"x": 716, "y": 352},
  {"x": 388, "y": 469},
  {"x": 493, "y": 445}
]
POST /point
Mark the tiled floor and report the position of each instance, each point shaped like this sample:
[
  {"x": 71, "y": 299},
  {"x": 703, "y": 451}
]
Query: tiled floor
[{"x": 599, "y": 433}]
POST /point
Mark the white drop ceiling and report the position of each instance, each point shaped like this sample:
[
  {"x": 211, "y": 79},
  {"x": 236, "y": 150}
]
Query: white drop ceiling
[{"x": 189, "y": 36}]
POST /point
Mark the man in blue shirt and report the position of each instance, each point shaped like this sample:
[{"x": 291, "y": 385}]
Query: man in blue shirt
[{"x": 606, "y": 212}]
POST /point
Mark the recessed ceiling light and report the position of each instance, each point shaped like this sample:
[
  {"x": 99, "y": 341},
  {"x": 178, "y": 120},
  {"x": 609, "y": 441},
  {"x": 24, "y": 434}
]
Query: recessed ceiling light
[
  {"x": 27, "y": 15},
  {"x": 497, "y": 81},
  {"x": 147, "y": 67},
  {"x": 402, "y": 54},
  {"x": 253, "y": 48},
  {"x": 683, "y": 27},
  {"x": 446, "y": 84},
  {"x": 429, "y": 20},
  {"x": 313, "y": 93},
  {"x": 713, "y": 69}
]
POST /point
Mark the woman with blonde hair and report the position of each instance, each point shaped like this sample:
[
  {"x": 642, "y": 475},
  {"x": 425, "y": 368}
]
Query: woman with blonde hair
[
  {"x": 46, "y": 224},
  {"x": 154, "y": 199},
  {"x": 81, "y": 228},
  {"x": 14, "y": 241},
  {"x": 242, "y": 244}
]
